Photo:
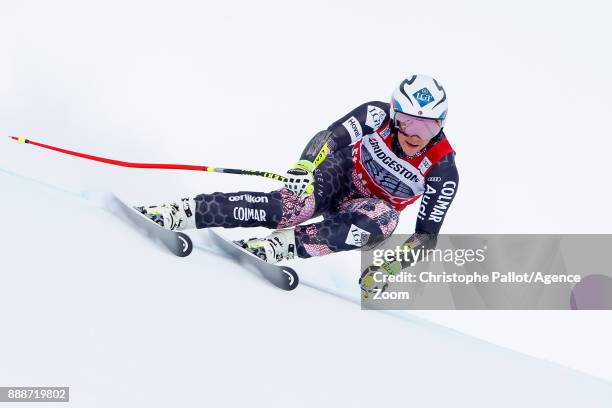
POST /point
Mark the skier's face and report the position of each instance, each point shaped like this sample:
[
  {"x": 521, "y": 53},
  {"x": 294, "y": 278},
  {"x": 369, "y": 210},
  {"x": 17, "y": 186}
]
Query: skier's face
[
  {"x": 415, "y": 132},
  {"x": 411, "y": 144}
]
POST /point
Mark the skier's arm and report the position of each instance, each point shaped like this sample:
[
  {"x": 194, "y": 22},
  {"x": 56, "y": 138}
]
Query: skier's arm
[
  {"x": 363, "y": 120},
  {"x": 441, "y": 186}
]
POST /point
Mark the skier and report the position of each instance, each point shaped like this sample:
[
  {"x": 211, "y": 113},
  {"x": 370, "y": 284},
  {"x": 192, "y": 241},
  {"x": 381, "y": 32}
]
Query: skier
[{"x": 358, "y": 174}]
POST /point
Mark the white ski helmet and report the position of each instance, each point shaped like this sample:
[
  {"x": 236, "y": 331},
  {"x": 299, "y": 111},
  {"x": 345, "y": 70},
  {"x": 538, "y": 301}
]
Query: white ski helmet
[{"x": 419, "y": 95}]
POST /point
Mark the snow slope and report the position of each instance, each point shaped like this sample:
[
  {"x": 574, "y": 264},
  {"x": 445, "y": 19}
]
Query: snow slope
[
  {"x": 245, "y": 84},
  {"x": 88, "y": 302}
]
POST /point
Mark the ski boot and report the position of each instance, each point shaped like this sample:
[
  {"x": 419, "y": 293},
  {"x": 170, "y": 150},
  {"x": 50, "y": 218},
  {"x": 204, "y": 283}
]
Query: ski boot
[
  {"x": 274, "y": 248},
  {"x": 172, "y": 216}
]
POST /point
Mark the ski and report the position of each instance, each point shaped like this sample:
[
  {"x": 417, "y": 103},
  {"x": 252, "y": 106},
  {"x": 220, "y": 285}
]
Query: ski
[
  {"x": 177, "y": 242},
  {"x": 282, "y": 277}
]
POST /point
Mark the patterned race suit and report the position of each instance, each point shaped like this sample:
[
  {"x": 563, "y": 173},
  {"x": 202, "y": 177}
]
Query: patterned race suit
[{"x": 359, "y": 189}]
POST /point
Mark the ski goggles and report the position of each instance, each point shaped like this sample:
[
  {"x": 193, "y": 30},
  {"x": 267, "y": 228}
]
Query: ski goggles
[{"x": 424, "y": 128}]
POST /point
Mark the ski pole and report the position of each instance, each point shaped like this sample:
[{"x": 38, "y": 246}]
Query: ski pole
[{"x": 266, "y": 174}]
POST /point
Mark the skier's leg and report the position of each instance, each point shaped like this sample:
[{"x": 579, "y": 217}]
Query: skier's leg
[
  {"x": 276, "y": 209},
  {"x": 359, "y": 222}
]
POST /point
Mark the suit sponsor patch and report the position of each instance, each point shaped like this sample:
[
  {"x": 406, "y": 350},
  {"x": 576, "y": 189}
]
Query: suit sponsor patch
[
  {"x": 357, "y": 236},
  {"x": 425, "y": 165},
  {"x": 375, "y": 117},
  {"x": 248, "y": 214},
  {"x": 353, "y": 127}
]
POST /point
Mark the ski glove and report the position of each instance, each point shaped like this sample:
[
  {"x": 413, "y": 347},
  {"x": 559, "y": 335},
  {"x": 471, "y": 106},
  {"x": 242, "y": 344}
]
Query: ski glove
[
  {"x": 372, "y": 284},
  {"x": 300, "y": 178},
  {"x": 371, "y": 280}
]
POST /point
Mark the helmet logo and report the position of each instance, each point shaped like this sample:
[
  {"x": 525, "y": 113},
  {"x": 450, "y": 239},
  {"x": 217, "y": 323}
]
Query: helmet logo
[{"x": 423, "y": 97}]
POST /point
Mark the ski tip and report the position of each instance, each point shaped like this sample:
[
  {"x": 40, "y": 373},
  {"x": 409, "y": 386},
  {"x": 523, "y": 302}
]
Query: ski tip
[
  {"x": 292, "y": 279},
  {"x": 186, "y": 245}
]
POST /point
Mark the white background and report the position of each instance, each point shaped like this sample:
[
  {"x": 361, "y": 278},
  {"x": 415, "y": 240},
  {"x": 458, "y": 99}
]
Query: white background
[{"x": 246, "y": 84}]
